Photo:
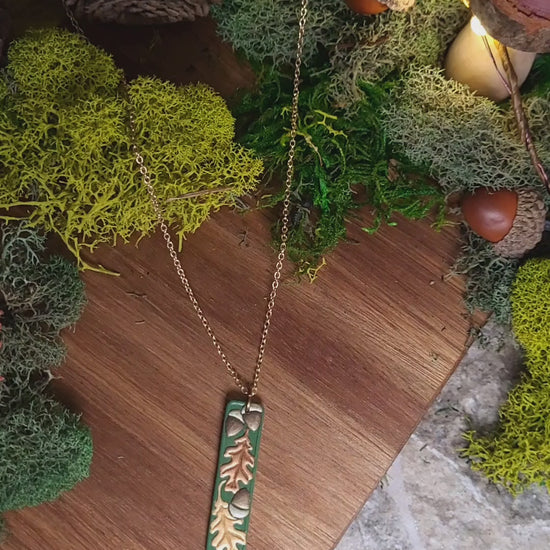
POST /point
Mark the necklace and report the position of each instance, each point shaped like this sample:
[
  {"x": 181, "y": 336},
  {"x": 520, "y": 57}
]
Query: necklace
[{"x": 243, "y": 420}]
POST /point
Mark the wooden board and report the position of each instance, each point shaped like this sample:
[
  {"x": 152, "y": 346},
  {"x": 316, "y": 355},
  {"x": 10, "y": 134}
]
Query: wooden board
[{"x": 353, "y": 362}]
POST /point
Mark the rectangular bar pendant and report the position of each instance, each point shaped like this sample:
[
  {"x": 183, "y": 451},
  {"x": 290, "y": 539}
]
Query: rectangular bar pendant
[{"x": 235, "y": 478}]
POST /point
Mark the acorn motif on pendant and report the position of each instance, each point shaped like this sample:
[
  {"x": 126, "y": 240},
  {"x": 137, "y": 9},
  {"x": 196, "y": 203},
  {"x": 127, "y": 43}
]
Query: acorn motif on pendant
[
  {"x": 513, "y": 220},
  {"x": 239, "y": 420},
  {"x": 239, "y": 506}
]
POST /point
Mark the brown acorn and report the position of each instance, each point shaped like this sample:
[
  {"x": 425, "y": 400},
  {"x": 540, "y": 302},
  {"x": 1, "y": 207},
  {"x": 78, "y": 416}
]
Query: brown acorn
[
  {"x": 366, "y": 7},
  {"x": 373, "y": 7},
  {"x": 513, "y": 220}
]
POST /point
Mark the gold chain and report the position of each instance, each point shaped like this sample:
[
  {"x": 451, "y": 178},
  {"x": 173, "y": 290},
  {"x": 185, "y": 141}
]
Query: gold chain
[{"x": 250, "y": 390}]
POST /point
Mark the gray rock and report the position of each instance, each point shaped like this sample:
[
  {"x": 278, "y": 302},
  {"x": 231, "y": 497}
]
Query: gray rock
[{"x": 431, "y": 499}]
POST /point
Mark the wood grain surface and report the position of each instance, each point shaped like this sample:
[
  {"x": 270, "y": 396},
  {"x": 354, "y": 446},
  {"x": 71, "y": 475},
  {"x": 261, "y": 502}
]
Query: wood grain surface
[{"x": 353, "y": 362}]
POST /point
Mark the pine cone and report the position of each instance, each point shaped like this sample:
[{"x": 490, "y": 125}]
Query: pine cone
[{"x": 527, "y": 228}]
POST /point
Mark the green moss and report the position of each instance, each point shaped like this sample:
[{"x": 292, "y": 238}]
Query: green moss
[
  {"x": 41, "y": 295},
  {"x": 489, "y": 278},
  {"x": 45, "y": 448},
  {"x": 239, "y": 21},
  {"x": 358, "y": 49},
  {"x": 538, "y": 80},
  {"x": 531, "y": 314},
  {"x": 373, "y": 49},
  {"x": 465, "y": 140},
  {"x": 65, "y": 150},
  {"x": 518, "y": 454},
  {"x": 45, "y": 451},
  {"x": 341, "y": 163}
]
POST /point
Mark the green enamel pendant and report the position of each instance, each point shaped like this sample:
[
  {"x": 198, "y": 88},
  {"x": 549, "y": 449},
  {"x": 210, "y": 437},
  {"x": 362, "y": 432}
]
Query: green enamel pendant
[{"x": 234, "y": 487}]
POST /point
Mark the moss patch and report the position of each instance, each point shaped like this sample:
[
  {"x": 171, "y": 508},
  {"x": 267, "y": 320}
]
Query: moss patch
[
  {"x": 45, "y": 448},
  {"x": 342, "y": 162},
  {"x": 518, "y": 455},
  {"x": 66, "y": 155}
]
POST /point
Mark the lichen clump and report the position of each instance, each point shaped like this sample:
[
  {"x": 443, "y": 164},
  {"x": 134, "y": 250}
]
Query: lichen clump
[
  {"x": 66, "y": 152},
  {"x": 39, "y": 297},
  {"x": 45, "y": 448},
  {"x": 341, "y": 163},
  {"x": 518, "y": 455},
  {"x": 358, "y": 49},
  {"x": 467, "y": 141},
  {"x": 344, "y": 159},
  {"x": 45, "y": 451},
  {"x": 489, "y": 278}
]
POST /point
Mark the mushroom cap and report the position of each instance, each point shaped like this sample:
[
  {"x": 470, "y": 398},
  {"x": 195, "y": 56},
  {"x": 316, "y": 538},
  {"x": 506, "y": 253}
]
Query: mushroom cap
[{"x": 520, "y": 24}]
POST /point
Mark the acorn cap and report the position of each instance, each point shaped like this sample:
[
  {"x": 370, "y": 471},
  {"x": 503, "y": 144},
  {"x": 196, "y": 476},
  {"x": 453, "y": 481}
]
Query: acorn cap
[{"x": 528, "y": 226}]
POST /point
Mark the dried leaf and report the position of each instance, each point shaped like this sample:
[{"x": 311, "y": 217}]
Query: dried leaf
[
  {"x": 224, "y": 527},
  {"x": 240, "y": 466}
]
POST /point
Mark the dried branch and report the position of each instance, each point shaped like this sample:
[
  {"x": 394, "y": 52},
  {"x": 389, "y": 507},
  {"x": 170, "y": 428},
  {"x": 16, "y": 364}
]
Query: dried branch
[{"x": 519, "y": 111}]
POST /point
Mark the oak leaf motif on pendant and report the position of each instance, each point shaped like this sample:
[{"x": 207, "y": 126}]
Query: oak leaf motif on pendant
[
  {"x": 240, "y": 466},
  {"x": 224, "y": 528}
]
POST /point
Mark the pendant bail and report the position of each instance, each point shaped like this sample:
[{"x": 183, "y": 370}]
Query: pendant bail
[{"x": 249, "y": 401}]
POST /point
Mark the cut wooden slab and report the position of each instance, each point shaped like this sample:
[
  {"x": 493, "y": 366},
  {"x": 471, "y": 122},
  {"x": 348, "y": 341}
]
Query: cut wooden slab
[{"x": 353, "y": 362}]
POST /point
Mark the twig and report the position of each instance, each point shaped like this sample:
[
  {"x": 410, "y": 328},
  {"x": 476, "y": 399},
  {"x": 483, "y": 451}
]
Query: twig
[
  {"x": 519, "y": 111},
  {"x": 495, "y": 64},
  {"x": 199, "y": 193}
]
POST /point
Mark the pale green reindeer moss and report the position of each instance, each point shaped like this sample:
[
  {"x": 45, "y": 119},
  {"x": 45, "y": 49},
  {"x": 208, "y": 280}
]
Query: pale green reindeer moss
[
  {"x": 65, "y": 151},
  {"x": 518, "y": 455},
  {"x": 39, "y": 296},
  {"x": 489, "y": 278},
  {"x": 45, "y": 450},
  {"x": 239, "y": 22},
  {"x": 358, "y": 49},
  {"x": 371, "y": 49},
  {"x": 465, "y": 140}
]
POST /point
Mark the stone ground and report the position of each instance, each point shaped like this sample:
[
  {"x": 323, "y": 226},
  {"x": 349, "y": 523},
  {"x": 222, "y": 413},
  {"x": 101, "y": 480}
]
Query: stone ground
[{"x": 430, "y": 499}]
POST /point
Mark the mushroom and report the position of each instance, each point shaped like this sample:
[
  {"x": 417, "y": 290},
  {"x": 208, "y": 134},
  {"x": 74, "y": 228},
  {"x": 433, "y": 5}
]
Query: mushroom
[
  {"x": 469, "y": 61},
  {"x": 520, "y": 24},
  {"x": 513, "y": 220},
  {"x": 373, "y": 7}
]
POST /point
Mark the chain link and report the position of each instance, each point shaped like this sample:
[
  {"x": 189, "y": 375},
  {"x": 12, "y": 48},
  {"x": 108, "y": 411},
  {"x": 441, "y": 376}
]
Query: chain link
[
  {"x": 249, "y": 390},
  {"x": 74, "y": 20}
]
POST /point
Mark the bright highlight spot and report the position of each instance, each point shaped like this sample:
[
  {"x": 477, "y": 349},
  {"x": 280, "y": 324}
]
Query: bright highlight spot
[{"x": 477, "y": 27}]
